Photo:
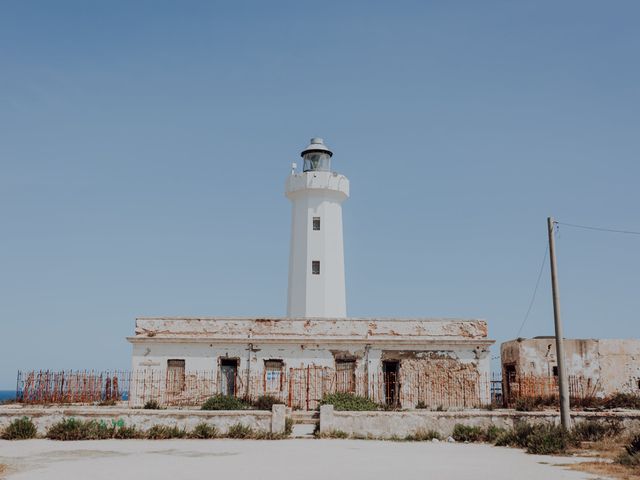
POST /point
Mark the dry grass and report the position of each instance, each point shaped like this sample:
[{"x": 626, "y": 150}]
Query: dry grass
[
  {"x": 607, "y": 451},
  {"x": 612, "y": 470},
  {"x": 608, "y": 448},
  {"x": 3, "y": 470}
]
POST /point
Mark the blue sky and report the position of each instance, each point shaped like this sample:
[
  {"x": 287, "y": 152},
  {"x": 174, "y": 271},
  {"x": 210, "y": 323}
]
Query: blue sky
[{"x": 144, "y": 147}]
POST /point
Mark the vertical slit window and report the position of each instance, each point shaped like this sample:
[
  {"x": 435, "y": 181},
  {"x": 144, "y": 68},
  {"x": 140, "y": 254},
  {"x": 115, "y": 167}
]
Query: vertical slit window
[
  {"x": 315, "y": 267},
  {"x": 316, "y": 223}
]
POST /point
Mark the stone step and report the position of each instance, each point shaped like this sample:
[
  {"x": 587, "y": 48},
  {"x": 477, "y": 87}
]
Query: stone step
[
  {"x": 305, "y": 418},
  {"x": 303, "y": 430}
]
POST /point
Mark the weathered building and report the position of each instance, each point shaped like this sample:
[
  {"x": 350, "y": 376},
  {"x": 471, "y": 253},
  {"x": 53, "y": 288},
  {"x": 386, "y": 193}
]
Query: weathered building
[
  {"x": 316, "y": 349},
  {"x": 597, "y": 367},
  {"x": 280, "y": 356}
]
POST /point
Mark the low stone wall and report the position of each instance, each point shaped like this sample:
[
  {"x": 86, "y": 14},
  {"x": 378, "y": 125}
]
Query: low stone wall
[
  {"x": 401, "y": 424},
  {"x": 44, "y": 417}
]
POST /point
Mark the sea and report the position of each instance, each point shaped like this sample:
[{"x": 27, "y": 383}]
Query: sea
[{"x": 7, "y": 395}]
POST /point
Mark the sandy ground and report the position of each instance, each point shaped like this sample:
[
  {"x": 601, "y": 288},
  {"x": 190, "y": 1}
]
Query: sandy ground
[{"x": 271, "y": 460}]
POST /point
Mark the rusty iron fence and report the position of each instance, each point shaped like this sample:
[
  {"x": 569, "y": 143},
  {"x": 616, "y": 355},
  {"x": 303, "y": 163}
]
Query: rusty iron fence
[
  {"x": 69, "y": 386},
  {"x": 300, "y": 388},
  {"x": 515, "y": 387}
]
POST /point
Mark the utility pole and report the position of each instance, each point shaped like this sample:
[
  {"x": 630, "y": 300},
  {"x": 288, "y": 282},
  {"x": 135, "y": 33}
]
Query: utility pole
[{"x": 565, "y": 416}]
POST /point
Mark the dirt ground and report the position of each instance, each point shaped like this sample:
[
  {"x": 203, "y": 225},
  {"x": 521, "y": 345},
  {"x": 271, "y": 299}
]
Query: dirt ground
[{"x": 281, "y": 460}]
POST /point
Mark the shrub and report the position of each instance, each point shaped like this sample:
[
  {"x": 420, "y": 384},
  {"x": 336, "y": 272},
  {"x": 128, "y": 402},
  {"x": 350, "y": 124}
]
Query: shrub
[
  {"x": 548, "y": 439},
  {"x": 125, "y": 433},
  {"x": 467, "y": 433},
  {"x": 288, "y": 426},
  {"x": 204, "y": 431},
  {"x": 537, "y": 439},
  {"x": 528, "y": 403},
  {"x": 349, "y": 402},
  {"x": 421, "y": 405},
  {"x": 239, "y": 430},
  {"x": 162, "y": 432},
  {"x": 623, "y": 400},
  {"x": 224, "y": 402},
  {"x": 493, "y": 433},
  {"x": 515, "y": 437},
  {"x": 72, "y": 429},
  {"x": 334, "y": 434},
  {"x": 422, "y": 435},
  {"x": 20, "y": 429},
  {"x": 266, "y": 402},
  {"x": 592, "y": 431},
  {"x": 107, "y": 403},
  {"x": 152, "y": 405},
  {"x": 631, "y": 456}
]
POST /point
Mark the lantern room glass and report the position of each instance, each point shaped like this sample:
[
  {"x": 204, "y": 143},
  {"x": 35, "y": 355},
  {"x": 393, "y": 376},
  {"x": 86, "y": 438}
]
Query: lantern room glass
[{"x": 316, "y": 161}]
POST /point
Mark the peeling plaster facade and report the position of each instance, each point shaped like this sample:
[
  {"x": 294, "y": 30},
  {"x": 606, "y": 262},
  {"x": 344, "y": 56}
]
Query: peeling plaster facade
[
  {"x": 608, "y": 365},
  {"x": 416, "y": 345}
]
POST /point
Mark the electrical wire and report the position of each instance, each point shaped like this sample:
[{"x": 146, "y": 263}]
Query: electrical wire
[
  {"x": 535, "y": 290},
  {"x": 600, "y": 229}
]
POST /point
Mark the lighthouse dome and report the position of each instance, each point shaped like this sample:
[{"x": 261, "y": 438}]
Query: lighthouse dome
[{"x": 317, "y": 157}]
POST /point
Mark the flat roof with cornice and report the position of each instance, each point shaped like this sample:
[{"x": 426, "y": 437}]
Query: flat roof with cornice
[{"x": 427, "y": 331}]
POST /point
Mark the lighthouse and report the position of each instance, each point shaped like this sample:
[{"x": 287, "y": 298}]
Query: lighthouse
[{"x": 316, "y": 257}]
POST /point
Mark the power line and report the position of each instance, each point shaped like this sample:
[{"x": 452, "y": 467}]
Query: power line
[
  {"x": 535, "y": 291},
  {"x": 600, "y": 229}
]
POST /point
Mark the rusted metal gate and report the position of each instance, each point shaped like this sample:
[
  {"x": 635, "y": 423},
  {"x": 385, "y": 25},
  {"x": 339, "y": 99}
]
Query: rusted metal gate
[{"x": 307, "y": 386}]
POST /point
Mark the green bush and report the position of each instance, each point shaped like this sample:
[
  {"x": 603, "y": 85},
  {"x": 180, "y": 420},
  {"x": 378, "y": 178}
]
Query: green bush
[
  {"x": 72, "y": 429},
  {"x": 623, "y": 400},
  {"x": 631, "y": 456},
  {"x": 538, "y": 439},
  {"x": 152, "y": 405},
  {"x": 125, "y": 433},
  {"x": 592, "y": 431},
  {"x": 467, "y": 433},
  {"x": 421, "y": 405},
  {"x": 422, "y": 435},
  {"x": 515, "y": 437},
  {"x": 225, "y": 402},
  {"x": 204, "y": 431},
  {"x": 239, "y": 430},
  {"x": 288, "y": 426},
  {"x": 266, "y": 402},
  {"x": 548, "y": 439},
  {"x": 334, "y": 434},
  {"x": 492, "y": 433},
  {"x": 349, "y": 402},
  {"x": 529, "y": 404},
  {"x": 20, "y": 429},
  {"x": 162, "y": 432}
]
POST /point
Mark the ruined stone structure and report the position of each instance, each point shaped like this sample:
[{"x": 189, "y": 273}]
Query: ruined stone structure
[
  {"x": 316, "y": 349},
  {"x": 599, "y": 366}
]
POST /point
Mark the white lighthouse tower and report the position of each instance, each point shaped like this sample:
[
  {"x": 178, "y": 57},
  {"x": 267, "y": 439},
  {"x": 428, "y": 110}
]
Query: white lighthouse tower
[{"x": 316, "y": 259}]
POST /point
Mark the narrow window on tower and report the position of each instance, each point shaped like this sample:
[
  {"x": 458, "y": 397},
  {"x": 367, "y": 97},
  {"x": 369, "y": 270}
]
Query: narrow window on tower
[
  {"x": 316, "y": 223},
  {"x": 315, "y": 267}
]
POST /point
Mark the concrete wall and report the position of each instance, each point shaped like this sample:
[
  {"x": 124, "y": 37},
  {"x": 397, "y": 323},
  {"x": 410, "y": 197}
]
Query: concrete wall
[
  {"x": 206, "y": 357},
  {"x": 401, "y": 424},
  {"x": 44, "y": 417},
  {"x": 414, "y": 361},
  {"x": 609, "y": 365}
]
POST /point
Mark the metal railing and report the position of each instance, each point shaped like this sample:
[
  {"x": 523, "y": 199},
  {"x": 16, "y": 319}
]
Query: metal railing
[{"x": 299, "y": 388}]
